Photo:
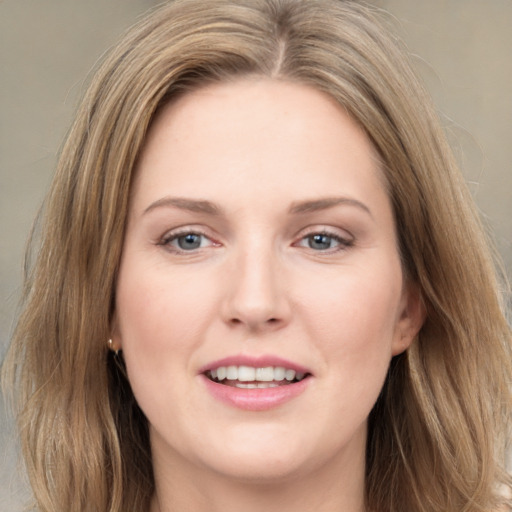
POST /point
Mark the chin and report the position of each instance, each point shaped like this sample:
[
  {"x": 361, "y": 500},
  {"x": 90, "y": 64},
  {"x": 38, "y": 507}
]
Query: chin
[
  {"x": 264, "y": 455},
  {"x": 260, "y": 470},
  {"x": 255, "y": 454}
]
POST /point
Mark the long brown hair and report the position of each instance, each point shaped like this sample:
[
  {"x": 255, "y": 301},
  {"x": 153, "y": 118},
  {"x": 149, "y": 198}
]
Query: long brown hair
[{"x": 437, "y": 434}]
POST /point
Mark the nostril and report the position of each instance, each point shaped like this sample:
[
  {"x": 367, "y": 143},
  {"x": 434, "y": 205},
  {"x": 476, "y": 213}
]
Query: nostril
[
  {"x": 270, "y": 321},
  {"x": 255, "y": 320}
]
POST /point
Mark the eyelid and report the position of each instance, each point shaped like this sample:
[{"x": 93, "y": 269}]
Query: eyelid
[{"x": 322, "y": 229}]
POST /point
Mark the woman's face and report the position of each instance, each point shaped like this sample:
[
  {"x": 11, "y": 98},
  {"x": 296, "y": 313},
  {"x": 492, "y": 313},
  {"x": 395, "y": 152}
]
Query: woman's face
[{"x": 260, "y": 295}]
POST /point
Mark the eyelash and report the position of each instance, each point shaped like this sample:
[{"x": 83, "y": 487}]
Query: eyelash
[{"x": 342, "y": 243}]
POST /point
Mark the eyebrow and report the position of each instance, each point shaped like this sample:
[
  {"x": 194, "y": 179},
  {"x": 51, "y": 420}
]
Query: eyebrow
[
  {"x": 192, "y": 205},
  {"x": 209, "y": 208},
  {"x": 315, "y": 205}
]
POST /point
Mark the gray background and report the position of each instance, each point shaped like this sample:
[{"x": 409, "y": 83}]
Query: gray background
[{"x": 462, "y": 48}]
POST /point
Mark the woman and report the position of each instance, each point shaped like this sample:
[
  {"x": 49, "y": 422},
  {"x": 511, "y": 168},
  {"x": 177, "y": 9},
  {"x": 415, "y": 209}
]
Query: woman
[{"x": 261, "y": 283}]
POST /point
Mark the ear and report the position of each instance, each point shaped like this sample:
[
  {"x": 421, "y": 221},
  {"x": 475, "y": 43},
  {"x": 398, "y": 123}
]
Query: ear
[{"x": 412, "y": 315}]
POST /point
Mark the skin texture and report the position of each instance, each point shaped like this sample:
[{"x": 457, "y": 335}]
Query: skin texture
[{"x": 258, "y": 285}]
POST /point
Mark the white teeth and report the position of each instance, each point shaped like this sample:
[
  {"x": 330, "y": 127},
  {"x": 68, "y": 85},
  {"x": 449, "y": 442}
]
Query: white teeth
[
  {"x": 248, "y": 374},
  {"x": 265, "y": 374},
  {"x": 232, "y": 373},
  {"x": 260, "y": 385},
  {"x": 290, "y": 374},
  {"x": 279, "y": 373},
  {"x": 263, "y": 385},
  {"x": 246, "y": 385}
]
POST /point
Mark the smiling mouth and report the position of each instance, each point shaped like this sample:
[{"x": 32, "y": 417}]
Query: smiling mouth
[{"x": 248, "y": 377}]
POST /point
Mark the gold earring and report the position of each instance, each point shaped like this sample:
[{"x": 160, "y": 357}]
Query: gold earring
[{"x": 111, "y": 347}]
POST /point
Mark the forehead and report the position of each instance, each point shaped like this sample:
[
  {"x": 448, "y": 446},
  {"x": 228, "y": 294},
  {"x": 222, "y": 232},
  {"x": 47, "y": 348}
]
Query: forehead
[{"x": 255, "y": 133}]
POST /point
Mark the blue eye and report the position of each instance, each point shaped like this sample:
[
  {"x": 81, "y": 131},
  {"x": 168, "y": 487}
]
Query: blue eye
[
  {"x": 186, "y": 241},
  {"x": 320, "y": 242},
  {"x": 189, "y": 242},
  {"x": 324, "y": 242}
]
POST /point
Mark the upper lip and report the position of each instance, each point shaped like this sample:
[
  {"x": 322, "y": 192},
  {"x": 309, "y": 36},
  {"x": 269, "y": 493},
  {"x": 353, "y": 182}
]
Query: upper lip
[{"x": 262, "y": 361}]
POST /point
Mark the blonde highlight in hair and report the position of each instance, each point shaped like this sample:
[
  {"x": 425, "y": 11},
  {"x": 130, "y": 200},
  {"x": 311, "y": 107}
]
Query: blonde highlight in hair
[{"x": 437, "y": 434}]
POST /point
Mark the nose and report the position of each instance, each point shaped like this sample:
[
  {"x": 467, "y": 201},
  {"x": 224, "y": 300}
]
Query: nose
[{"x": 256, "y": 295}]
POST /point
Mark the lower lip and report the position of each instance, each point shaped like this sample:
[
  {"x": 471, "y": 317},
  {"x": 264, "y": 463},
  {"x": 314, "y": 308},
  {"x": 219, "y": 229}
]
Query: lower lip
[{"x": 259, "y": 399}]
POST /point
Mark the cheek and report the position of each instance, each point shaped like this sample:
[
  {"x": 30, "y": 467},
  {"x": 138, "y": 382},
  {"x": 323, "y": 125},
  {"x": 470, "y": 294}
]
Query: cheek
[
  {"x": 156, "y": 307},
  {"x": 354, "y": 295},
  {"x": 354, "y": 320},
  {"x": 160, "y": 320}
]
